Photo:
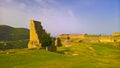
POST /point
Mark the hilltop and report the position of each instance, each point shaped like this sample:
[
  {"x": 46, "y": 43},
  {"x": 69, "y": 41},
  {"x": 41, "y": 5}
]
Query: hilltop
[
  {"x": 8, "y": 33},
  {"x": 13, "y": 38}
]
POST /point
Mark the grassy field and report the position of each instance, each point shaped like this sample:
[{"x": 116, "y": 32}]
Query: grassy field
[{"x": 82, "y": 55}]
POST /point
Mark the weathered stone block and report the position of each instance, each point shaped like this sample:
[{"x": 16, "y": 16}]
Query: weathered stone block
[{"x": 52, "y": 48}]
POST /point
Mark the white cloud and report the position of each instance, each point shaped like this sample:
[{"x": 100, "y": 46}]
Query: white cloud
[
  {"x": 13, "y": 17},
  {"x": 54, "y": 20}
]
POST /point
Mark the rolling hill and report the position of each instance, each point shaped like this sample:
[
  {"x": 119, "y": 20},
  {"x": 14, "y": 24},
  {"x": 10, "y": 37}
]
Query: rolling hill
[
  {"x": 8, "y": 33},
  {"x": 13, "y": 38}
]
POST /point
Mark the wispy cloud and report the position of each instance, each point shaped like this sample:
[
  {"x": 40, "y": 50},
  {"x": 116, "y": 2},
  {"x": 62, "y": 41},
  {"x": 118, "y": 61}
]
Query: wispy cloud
[
  {"x": 55, "y": 20},
  {"x": 55, "y": 16}
]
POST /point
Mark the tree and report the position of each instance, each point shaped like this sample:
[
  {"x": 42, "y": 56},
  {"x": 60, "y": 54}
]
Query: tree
[
  {"x": 53, "y": 40},
  {"x": 45, "y": 40},
  {"x": 58, "y": 42}
]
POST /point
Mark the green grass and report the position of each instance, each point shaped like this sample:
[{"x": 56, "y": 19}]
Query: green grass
[{"x": 97, "y": 55}]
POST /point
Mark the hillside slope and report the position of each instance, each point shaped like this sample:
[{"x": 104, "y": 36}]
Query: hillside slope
[
  {"x": 8, "y": 33},
  {"x": 13, "y": 38}
]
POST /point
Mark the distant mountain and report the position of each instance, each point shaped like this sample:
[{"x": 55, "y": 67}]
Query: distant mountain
[{"x": 8, "y": 33}]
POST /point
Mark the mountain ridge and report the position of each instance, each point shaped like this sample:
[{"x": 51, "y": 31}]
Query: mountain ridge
[{"x": 8, "y": 33}]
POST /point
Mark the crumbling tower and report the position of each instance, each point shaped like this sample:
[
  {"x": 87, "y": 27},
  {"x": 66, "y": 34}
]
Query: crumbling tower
[{"x": 36, "y": 30}]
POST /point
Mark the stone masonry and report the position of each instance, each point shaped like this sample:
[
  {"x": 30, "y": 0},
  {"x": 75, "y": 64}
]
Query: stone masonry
[{"x": 36, "y": 30}]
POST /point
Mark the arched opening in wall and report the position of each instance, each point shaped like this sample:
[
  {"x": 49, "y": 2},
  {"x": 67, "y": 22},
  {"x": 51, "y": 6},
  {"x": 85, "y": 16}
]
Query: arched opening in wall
[{"x": 68, "y": 38}]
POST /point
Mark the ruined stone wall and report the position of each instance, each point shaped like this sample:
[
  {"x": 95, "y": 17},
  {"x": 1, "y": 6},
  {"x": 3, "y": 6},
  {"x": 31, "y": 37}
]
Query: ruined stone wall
[
  {"x": 35, "y": 31},
  {"x": 91, "y": 39},
  {"x": 66, "y": 39},
  {"x": 106, "y": 39},
  {"x": 116, "y": 34},
  {"x": 83, "y": 38},
  {"x": 117, "y": 39},
  {"x": 71, "y": 36}
]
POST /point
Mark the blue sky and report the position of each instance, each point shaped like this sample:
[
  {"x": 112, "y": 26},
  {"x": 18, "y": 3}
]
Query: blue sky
[{"x": 63, "y": 16}]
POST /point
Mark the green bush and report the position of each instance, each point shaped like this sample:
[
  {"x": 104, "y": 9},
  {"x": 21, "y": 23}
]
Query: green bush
[
  {"x": 59, "y": 42},
  {"x": 18, "y": 44},
  {"x": 45, "y": 40}
]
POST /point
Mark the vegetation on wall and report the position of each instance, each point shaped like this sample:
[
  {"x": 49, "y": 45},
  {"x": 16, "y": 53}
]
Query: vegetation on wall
[{"x": 59, "y": 42}]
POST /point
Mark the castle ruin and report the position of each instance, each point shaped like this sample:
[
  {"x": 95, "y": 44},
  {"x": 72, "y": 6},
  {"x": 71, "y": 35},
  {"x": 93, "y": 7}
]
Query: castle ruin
[
  {"x": 67, "y": 39},
  {"x": 36, "y": 30}
]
